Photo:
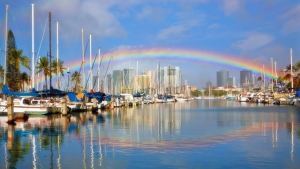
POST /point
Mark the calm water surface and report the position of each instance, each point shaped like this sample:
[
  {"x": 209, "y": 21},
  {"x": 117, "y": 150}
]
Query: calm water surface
[{"x": 195, "y": 134}]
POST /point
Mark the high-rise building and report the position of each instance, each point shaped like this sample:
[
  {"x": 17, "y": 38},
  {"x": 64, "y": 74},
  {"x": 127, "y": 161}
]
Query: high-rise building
[
  {"x": 109, "y": 83},
  {"x": 222, "y": 76},
  {"x": 171, "y": 79},
  {"x": 152, "y": 84},
  {"x": 142, "y": 83},
  {"x": 118, "y": 80},
  {"x": 231, "y": 81},
  {"x": 95, "y": 86},
  {"x": 208, "y": 84},
  {"x": 128, "y": 78},
  {"x": 246, "y": 78}
]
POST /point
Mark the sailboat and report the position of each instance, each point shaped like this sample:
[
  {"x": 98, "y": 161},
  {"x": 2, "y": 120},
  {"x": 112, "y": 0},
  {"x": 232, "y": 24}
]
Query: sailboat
[{"x": 33, "y": 93}]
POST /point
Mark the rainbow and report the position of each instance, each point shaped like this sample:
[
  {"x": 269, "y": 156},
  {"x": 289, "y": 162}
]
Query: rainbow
[{"x": 175, "y": 54}]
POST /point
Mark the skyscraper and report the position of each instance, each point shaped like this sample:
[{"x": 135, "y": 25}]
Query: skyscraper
[
  {"x": 171, "y": 79},
  {"x": 208, "y": 84},
  {"x": 222, "y": 77},
  {"x": 95, "y": 86},
  {"x": 246, "y": 78},
  {"x": 118, "y": 80},
  {"x": 143, "y": 83},
  {"x": 109, "y": 83},
  {"x": 152, "y": 84},
  {"x": 128, "y": 78},
  {"x": 231, "y": 81}
]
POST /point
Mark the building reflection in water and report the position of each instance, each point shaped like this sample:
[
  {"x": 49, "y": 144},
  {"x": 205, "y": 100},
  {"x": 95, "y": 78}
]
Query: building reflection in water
[{"x": 156, "y": 127}]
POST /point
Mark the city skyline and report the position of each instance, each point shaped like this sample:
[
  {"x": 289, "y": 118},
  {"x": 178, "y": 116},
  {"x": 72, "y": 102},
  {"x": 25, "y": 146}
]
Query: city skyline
[{"x": 253, "y": 31}]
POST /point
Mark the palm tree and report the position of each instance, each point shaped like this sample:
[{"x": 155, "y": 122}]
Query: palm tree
[
  {"x": 76, "y": 77},
  {"x": 1, "y": 71},
  {"x": 16, "y": 60},
  {"x": 43, "y": 65},
  {"x": 297, "y": 65},
  {"x": 24, "y": 79},
  {"x": 57, "y": 67},
  {"x": 287, "y": 77},
  {"x": 260, "y": 79},
  {"x": 288, "y": 68}
]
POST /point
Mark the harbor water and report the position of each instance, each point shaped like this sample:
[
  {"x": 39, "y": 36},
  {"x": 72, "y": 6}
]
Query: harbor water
[{"x": 193, "y": 134}]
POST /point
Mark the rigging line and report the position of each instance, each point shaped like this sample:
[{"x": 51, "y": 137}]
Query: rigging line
[
  {"x": 14, "y": 19},
  {"x": 107, "y": 69},
  {"x": 82, "y": 63},
  {"x": 41, "y": 41},
  {"x": 68, "y": 42},
  {"x": 98, "y": 73},
  {"x": 107, "y": 66},
  {"x": 91, "y": 71}
]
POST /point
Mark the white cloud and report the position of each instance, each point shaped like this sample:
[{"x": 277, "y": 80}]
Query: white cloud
[
  {"x": 151, "y": 12},
  {"x": 253, "y": 41},
  {"x": 232, "y": 6},
  {"x": 215, "y": 25},
  {"x": 94, "y": 16},
  {"x": 188, "y": 4},
  {"x": 176, "y": 31},
  {"x": 291, "y": 21},
  {"x": 173, "y": 31}
]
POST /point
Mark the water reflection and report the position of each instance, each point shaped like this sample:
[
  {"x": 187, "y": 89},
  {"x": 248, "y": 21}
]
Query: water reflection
[{"x": 157, "y": 128}]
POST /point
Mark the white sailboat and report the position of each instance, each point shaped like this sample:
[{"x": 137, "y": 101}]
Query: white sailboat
[{"x": 24, "y": 105}]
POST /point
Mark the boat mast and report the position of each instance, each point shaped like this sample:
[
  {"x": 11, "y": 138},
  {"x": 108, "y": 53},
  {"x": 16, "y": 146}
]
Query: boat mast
[
  {"x": 57, "y": 66},
  {"x": 91, "y": 75},
  {"x": 264, "y": 77},
  {"x": 32, "y": 59},
  {"x": 169, "y": 81},
  {"x": 137, "y": 75},
  {"x": 50, "y": 49},
  {"x": 159, "y": 77},
  {"x": 275, "y": 74},
  {"x": 272, "y": 74},
  {"x": 83, "y": 75},
  {"x": 5, "y": 46},
  {"x": 99, "y": 69},
  {"x": 292, "y": 80}
]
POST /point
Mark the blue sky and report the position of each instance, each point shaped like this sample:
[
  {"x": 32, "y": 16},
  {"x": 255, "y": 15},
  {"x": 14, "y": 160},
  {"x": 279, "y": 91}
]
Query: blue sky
[{"x": 253, "y": 29}]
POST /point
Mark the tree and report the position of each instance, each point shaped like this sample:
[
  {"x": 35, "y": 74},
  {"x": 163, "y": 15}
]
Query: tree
[
  {"x": 260, "y": 79},
  {"x": 43, "y": 65},
  {"x": 1, "y": 72},
  {"x": 287, "y": 77},
  {"x": 11, "y": 43},
  {"x": 75, "y": 77},
  {"x": 297, "y": 65},
  {"x": 24, "y": 78},
  {"x": 16, "y": 60},
  {"x": 1, "y": 75},
  {"x": 58, "y": 66},
  {"x": 10, "y": 72},
  {"x": 288, "y": 68}
]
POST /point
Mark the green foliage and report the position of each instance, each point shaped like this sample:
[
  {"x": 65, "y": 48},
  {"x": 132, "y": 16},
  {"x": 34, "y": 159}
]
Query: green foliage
[
  {"x": 196, "y": 93},
  {"x": 17, "y": 152},
  {"x": 43, "y": 65},
  {"x": 15, "y": 61},
  {"x": 58, "y": 67},
  {"x": 11, "y": 43},
  {"x": 1, "y": 76},
  {"x": 215, "y": 93},
  {"x": 75, "y": 77},
  {"x": 10, "y": 72},
  {"x": 287, "y": 77},
  {"x": 24, "y": 78}
]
